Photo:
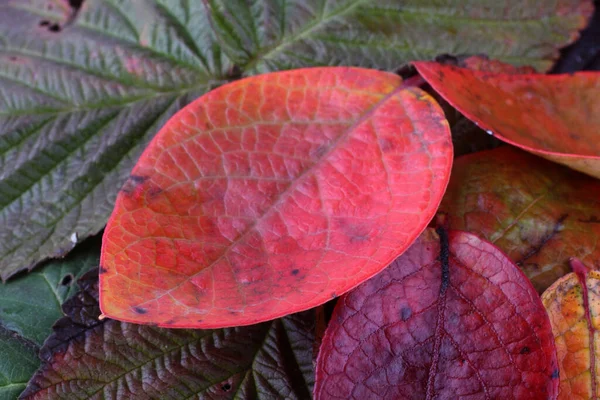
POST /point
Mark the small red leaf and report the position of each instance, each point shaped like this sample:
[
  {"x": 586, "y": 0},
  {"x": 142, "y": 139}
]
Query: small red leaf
[
  {"x": 272, "y": 195},
  {"x": 449, "y": 319},
  {"x": 554, "y": 116}
]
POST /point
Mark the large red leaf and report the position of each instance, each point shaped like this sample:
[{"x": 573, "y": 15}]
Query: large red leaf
[
  {"x": 538, "y": 212},
  {"x": 554, "y": 116},
  {"x": 573, "y": 304},
  {"x": 452, "y": 318},
  {"x": 272, "y": 195}
]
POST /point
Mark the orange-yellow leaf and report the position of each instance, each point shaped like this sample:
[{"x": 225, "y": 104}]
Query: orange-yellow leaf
[{"x": 573, "y": 305}]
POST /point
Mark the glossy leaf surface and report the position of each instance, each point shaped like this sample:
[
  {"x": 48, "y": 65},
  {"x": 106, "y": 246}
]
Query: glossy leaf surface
[
  {"x": 452, "y": 318},
  {"x": 539, "y": 213},
  {"x": 82, "y": 91},
  {"x": 573, "y": 304},
  {"x": 554, "y": 116},
  {"x": 91, "y": 359},
  {"x": 272, "y": 195}
]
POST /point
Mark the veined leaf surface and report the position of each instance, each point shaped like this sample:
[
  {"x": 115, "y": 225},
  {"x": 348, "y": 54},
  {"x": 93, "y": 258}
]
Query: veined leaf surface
[{"x": 272, "y": 195}]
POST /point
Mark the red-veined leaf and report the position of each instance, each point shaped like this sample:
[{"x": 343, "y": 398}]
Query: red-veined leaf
[
  {"x": 554, "y": 116},
  {"x": 272, "y": 195},
  {"x": 573, "y": 304},
  {"x": 538, "y": 212},
  {"x": 452, "y": 318}
]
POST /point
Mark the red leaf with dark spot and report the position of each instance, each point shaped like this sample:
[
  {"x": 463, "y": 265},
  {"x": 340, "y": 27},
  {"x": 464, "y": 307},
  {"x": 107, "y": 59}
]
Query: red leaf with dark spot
[
  {"x": 554, "y": 116},
  {"x": 272, "y": 195},
  {"x": 452, "y": 318}
]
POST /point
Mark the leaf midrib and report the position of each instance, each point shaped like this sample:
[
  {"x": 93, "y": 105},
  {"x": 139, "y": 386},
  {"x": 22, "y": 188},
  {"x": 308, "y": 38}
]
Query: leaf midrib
[
  {"x": 312, "y": 26},
  {"x": 286, "y": 192}
]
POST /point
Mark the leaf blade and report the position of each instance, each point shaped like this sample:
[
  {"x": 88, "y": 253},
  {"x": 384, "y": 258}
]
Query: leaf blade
[
  {"x": 421, "y": 329},
  {"x": 235, "y": 214},
  {"x": 561, "y": 118}
]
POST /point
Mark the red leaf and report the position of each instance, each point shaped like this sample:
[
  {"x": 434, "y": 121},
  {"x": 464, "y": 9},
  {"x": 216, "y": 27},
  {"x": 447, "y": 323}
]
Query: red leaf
[
  {"x": 272, "y": 195},
  {"x": 554, "y": 116},
  {"x": 451, "y": 318}
]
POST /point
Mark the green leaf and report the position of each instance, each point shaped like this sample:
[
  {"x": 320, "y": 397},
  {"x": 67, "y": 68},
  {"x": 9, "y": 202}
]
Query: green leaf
[
  {"x": 18, "y": 361},
  {"x": 30, "y": 304},
  {"x": 88, "y": 358},
  {"x": 82, "y": 92},
  {"x": 78, "y": 105},
  {"x": 267, "y": 35}
]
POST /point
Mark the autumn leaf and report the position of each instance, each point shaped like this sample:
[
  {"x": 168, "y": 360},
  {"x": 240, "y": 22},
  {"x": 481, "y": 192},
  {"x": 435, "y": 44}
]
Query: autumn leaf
[
  {"x": 84, "y": 89},
  {"x": 451, "y": 318},
  {"x": 539, "y": 213},
  {"x": 573, "y": 304},
  {"x": 88, "y": 358},
  {"x": 271, "y": 195},
  {"x": 554, "y": 116}
]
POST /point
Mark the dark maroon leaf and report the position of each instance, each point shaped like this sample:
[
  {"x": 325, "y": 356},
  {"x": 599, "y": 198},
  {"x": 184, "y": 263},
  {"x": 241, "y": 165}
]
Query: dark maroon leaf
[{"x": 452, "y": 318}]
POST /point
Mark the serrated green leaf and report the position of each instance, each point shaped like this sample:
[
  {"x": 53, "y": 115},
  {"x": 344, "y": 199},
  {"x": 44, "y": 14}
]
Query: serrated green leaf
[
  {"x": 78, "y": 106},
  {"x": 267, "y": 35},
  {"x": 18, "y": 361},
  {"x": 82, "y": 92},
  {"x": 87, "y": 358}
]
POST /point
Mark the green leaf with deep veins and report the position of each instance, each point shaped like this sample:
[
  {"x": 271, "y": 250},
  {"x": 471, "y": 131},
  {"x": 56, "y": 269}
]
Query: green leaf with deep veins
[
  {"x": 82, "y": 91},
  {"x": 108, "y": 359}
]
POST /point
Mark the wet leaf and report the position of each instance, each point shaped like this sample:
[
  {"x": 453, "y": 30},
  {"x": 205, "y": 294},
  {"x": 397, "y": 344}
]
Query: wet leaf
[
  {"x": 573, "y": 304},
  {"x": 271, "y": 195},
  {"x": 554, "y": 116},
  {"x": 87, "y": 358},
  {"x": 539, "y": 213},
  {"x": 450, "y": 318}
]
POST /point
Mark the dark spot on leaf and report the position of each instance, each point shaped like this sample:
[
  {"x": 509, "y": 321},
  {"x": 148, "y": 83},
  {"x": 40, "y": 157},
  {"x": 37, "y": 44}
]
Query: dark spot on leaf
[
  {"x": 555, "y": 374},
  {"x": 153, "y": 192},
  {"x": 386, "y": 145},
  {"x": 140, "y": 310},
  {"x": 44, "y": 22},
  {"x": 67, "y": 280},
  {"x": 102, "y": 270},
  {"x": 405, "y": 313},
  {"x": 525, "y": 350},
  {"x": 54, "y": 28},
  {"x": 226, "y": 387},
  {"x": 319, "y": 152},
  {"x": 295, "y": 272},
  {"x": 132, "y": 183},
  {"x": 75, "y": 4}
]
